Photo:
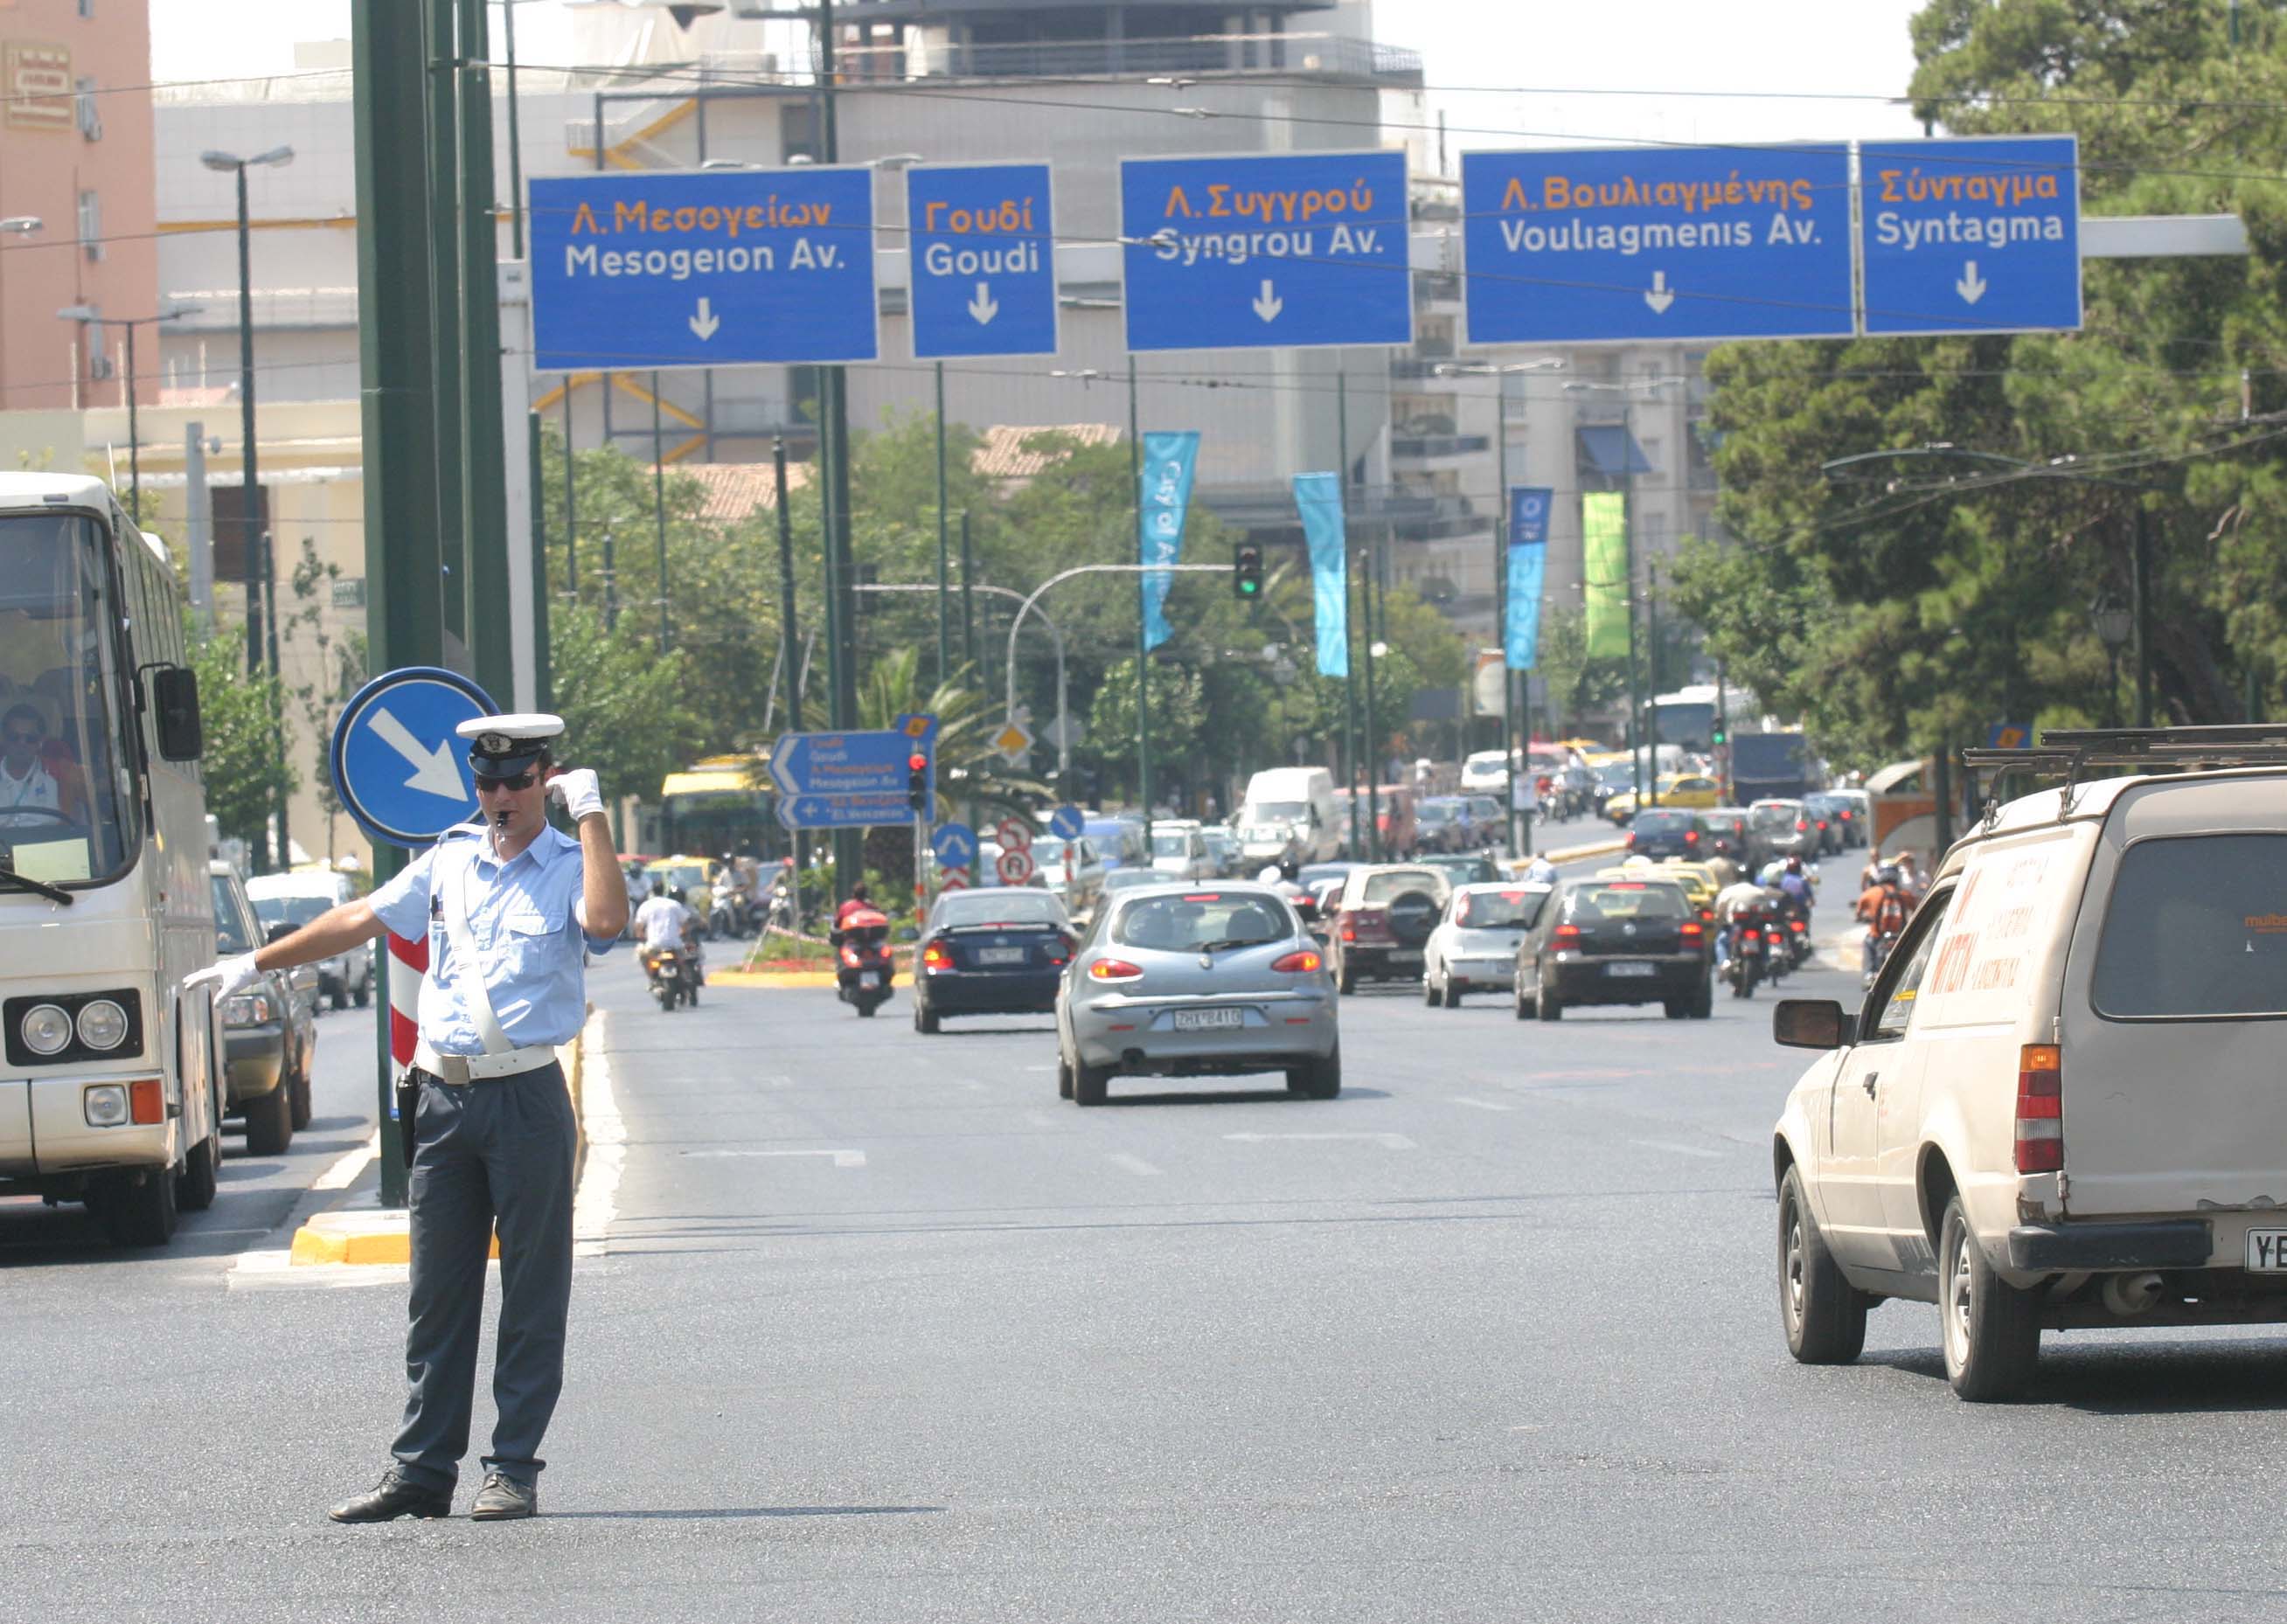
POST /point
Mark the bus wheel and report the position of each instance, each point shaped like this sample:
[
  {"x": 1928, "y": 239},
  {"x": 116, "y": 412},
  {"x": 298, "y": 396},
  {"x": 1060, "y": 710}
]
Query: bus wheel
[{"x": 138, "y": 1214}]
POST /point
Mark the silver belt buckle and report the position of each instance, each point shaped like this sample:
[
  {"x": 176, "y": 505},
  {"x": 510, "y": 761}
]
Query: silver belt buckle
[{"x": 456, "y": 1072}]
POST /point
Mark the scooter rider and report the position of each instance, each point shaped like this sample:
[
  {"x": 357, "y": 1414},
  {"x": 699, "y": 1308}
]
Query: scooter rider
[
  {"x": 1884, "y": 907},
  {"x": 858, "y": 901},
  {"x": 1734, "y": 903},
  {"x": 664, "y": 916}
]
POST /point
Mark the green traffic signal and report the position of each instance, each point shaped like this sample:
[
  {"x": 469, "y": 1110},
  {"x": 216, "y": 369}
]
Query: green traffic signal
[{"x": 1246, "y": 572}]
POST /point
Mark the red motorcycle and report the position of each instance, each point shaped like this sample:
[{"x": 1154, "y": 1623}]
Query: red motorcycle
[{"x": 864, "y": 960}]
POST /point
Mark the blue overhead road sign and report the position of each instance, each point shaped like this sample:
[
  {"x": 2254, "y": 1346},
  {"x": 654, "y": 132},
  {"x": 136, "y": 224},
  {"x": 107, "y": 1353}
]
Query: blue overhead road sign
[
  {"x": 1288, "y": 251},
  {"x": 723, "y": 268},
  {"x": 850, "y": 780},
  {"x": 844, "y": 811},
  {"x": 398, "y": 768},
  {"x": 983, "y": 274},
  {"x": 1630, "y": 244},
  {"x": 1971, "y": 236}
]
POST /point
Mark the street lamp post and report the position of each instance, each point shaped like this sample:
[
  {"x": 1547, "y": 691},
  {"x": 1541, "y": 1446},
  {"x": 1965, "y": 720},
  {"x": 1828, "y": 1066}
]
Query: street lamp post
[
  {"x": 251, "y": 487},
  {"x": 86, "y": 315},
  {"x": 2115, "y": 625}
]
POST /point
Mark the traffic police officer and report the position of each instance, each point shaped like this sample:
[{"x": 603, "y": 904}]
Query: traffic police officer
[{"x": 508, "y": 904}]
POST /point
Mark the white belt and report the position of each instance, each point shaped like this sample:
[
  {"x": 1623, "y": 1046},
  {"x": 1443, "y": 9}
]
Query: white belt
[{"x": 460, "y": 1069}]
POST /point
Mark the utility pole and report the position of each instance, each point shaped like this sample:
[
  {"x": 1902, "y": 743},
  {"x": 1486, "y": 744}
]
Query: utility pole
[
  {"x": 787, "y": 654},
  {"x": 1370, "y": 742},
  {"x": 483, "y": 443},
  {"x": 1628, "y": 544},
  {"x": 2139, "y": 576},
  {"x": 967, "y": 576},
  {"x": 1143, "y": 651},
  {"x": 659, "y": 506},
  {"x": 1512, "y": 755},
  {"x": 944, "y": 522},
  {"x": 543, "y": 677},
  {"x": 849, "y": 844},
  {"x": 1651, "y": 661},
  {"x": 446, "y": 352},
  {"x": 1350, "y": 684}
]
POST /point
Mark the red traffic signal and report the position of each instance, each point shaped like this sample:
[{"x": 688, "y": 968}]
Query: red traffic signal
[
  {"x": 917, "y": 794},
  {"x": 917, "y": 762}
]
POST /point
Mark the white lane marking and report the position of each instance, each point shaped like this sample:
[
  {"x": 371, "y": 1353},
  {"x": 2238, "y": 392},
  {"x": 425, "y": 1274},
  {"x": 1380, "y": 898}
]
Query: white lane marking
[
  {"x": 1680, "y": 1150},
  {"x": 1136, "y": 1165},
  {"x": 842, "y": 1158},
  {"x": 1481, "y": 1105},
  {"x": 1387, "y": 1141},
  {"x": 273, "y": 1266},
  {"x": 348, "y": 1166},
  {"x": 595, "y": 1203}
]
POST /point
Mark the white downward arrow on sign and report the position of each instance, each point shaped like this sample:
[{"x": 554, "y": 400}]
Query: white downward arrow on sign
[
  {"x": 1658, "y": 296},
  {"x": 706, "y": 321},
  {"x": 1971, "y": 287},
  {"x": 1269, "y": 305},
  {"x": 982, "y": 307},
  {"x": 433, "y": 772}
]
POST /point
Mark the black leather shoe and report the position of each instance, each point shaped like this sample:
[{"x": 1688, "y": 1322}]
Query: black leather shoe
[
  {"x": 394, "y": 1496},
  {"x": 502, "y": 1497}
]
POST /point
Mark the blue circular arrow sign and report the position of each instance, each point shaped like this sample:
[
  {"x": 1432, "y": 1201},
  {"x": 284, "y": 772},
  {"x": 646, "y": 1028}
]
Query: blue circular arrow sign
[
  {"x": 955, "y": 844},
  {"x": 398, "y": 768},
  {"x": 1068, "y": 823}
]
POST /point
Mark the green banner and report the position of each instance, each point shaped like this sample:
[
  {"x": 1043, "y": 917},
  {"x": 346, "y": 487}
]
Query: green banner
[{"x": 1604, "y": 550}]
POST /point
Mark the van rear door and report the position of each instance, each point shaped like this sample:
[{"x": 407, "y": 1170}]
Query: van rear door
[{"x": 2174, "y": 1018}]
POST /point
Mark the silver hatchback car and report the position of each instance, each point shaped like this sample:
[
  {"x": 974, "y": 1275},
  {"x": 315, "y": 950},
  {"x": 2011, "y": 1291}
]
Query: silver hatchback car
[{"x": 1190, "y": 981}]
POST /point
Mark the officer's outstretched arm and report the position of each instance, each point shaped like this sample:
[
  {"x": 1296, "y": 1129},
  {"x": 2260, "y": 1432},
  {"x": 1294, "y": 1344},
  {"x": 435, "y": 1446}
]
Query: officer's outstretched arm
[{"x": 335, "y": 931}]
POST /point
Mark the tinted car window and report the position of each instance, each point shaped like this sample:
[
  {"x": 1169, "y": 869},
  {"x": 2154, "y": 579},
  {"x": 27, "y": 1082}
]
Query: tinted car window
[
  {"x": 2197, "y": 925},
  {"x": 1627, "y": 900},
  {"x": 230, "y": 923},
  {"x": 1201, "y": 919},
  {"x": 1772, "y": 818},
  {"x": 1652, "y": 821},
  {"x": 1396, "y": 882}
]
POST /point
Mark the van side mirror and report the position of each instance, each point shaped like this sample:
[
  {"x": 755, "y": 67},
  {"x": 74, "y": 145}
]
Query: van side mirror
[
  {"x": 277, "y": 933},
  {"x": 175, "y": 713},
  {"x": 1807, "y": 1023}
]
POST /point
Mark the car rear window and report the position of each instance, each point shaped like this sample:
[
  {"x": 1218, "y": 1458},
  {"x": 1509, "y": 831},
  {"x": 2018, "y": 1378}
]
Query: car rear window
[
  {"x": 1624, "y": 899},
  {"x": 998, "y": 905},
  {"x": 2197, "y": 926},
  {"x": 1202, "y": 918},
  {"x": 1773, "y": 817},
  {"x": 1499, "y": 909},
  {"x": 1652, "y": 822},
  {"x": 1396, "y": 883}
]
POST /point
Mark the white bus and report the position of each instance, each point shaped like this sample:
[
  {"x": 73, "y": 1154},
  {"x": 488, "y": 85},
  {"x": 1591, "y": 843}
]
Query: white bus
[{"x": 111, "y": 1093}]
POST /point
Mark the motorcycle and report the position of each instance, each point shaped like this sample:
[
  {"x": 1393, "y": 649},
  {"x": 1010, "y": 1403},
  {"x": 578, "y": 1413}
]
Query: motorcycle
[
  {"x": 865, "y": 962},
  {"x": 673, "y": 971},
  {"x": 1879, "y": 949},
  {"x": 1745, "y": 967}
]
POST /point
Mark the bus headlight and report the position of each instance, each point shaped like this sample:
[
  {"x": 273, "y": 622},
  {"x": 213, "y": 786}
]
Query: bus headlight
[
  {"x": 102, "y": 1024},
  {"x": 105, "y": 1105},
  {"x": 45, "y": 1028}
]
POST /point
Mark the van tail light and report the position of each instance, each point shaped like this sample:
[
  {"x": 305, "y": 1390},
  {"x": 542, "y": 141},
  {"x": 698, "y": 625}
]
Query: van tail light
[
  {"x": 934, "y": 957},
  {"x": 1114, "y": 970},
  {"x": 2040, "y": 1110},
  {"x": 1305, "y": 963},
  {"x": 1567, "y": 936},
  {"x": 1350, "y": 931}
]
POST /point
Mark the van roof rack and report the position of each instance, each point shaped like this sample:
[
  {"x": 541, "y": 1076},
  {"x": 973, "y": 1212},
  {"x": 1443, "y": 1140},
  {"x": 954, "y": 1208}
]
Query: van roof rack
[{"x": 2069, "y": 753}]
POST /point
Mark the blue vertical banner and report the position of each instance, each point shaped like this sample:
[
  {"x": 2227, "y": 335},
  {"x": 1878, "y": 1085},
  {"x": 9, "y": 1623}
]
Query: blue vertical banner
[
  {"x": 1169, "y": 461},
  {"x": 1528, "y": 557},
  {"x": 1319, "y": 499}
]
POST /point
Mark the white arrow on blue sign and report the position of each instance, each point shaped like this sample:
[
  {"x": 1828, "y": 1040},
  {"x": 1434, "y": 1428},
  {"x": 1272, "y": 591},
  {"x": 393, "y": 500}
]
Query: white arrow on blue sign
[
  {"x": 1291, "y": 251},
  {"x": 844, "y": 811},
  {"x": 721, "y": 268},
  {"x": 398, "y": 768},
  {"x": 1068, "y": 823},
  {"x": 984, "y": 273},
  {"x": 955, "y": 844},
  {"x": 1629, "y": 244},
  {"x": 1973, "y": 235}
]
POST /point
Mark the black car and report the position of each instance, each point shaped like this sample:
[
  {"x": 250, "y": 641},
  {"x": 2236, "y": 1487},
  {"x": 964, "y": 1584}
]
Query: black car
[
  {"x": 1730, "y": 835},
  {"x": 1632, "y": 940},
  {"x": 996, "y": 951},
  {"x": 1662, "y": 831},
  {"x": 1441, "y": 823},
  {"x": 1833, "y": 815}
]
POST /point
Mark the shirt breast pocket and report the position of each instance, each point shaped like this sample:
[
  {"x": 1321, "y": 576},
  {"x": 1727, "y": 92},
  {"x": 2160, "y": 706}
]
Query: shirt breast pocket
[{"x": 527, "y": 943}]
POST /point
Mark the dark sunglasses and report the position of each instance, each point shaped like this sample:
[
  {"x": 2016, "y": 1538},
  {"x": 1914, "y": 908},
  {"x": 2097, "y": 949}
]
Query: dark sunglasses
[{"x": 520, "y": 781}]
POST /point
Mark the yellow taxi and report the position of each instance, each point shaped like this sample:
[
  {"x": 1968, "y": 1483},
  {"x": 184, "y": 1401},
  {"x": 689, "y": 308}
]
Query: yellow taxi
[
  {"x": 1696, "y": 878},
  {"x": 1688, "y": 792}
]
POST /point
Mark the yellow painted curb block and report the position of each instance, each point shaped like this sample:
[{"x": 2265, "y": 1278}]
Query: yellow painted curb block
[
  {"x": 769, "y": 978},
  {"x": 367, "y": 1237}
]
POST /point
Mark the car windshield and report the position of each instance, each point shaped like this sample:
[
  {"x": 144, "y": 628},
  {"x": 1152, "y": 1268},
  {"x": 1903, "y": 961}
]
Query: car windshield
[
  {"x": 289, "y": 910},
  {"x": 1628, "y": 899},
  {"x": 1504, "y": 909},
  {"x": 1046, "y": 850},
  {"x": 1436, "y": 812},
  {"x": 230, "y": 925},
  {"x": 1198, "y": 921},
  {"x": 1171, "y": 845},
  {"x": 1001, "y": 905},
  {"x": 68, "y": 794},
  {"x": 1277, "y": 812},
  {"x": 1393, "y": 883},
  {"x": 1620, "y": 776}
]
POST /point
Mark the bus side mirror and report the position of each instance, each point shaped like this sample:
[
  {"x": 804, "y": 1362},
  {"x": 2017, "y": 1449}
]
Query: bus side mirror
[{"x": 175, "y": 710}]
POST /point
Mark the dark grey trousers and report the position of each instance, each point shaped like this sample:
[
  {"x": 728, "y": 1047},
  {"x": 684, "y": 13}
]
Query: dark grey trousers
[{"x": 490, "y": 1153}]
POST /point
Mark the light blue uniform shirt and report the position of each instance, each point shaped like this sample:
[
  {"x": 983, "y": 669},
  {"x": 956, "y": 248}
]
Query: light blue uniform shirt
[{"x": 528, "y": 943}]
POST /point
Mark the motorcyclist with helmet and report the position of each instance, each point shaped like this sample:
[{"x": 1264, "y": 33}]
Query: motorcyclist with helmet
[{"x": 1884, "y": 907}]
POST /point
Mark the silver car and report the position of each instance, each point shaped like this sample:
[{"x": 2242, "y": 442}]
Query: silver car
[
  {"x": 1188, "y": 980},
  {"x": 1474, "y": 948}
]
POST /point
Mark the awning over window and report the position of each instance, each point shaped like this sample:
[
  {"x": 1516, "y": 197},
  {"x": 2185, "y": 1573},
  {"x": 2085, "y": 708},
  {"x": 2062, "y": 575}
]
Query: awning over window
[{"x": 1611, "y": 451}]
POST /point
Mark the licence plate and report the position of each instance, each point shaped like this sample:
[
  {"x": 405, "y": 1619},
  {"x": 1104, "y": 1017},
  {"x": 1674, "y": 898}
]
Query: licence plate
[
  {"x": 1405, "y": 956},
  {"x": 869, "y": 979},
  {"x": 1000, "y": 956},
  {"x": 1632, "y": 969},
  {"x": 2266, "y": 1252},
  {"x": 1207, "y": 1020}
]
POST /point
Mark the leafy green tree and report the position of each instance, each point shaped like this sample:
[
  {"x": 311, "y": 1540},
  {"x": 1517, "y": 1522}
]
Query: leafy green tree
[
  {"x": 246, "y": 775},
  {"x": 625, "y": 708}
]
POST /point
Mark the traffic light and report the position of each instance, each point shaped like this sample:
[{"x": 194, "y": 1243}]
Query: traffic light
[
  {"x": 1246, "y": 572},
  {"x": 1720, "y": 737},
  {"x": 917, "y": 781}
]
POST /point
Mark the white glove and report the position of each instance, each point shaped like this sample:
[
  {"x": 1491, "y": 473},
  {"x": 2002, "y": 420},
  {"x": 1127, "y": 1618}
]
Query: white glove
[
  {"x": 580, "y": 791},
  {"x": 230, "y": 976}
]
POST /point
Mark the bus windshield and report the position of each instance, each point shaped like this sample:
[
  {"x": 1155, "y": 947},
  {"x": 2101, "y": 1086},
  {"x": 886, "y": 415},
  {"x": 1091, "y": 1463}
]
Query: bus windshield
[{"x": 66, "y": 787}]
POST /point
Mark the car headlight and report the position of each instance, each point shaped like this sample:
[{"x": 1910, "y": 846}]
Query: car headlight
[
  {"x": 47, "y": 1030},
  {"x": 105, "y": 1105},
  {"x": 247, "y": 1009},
  {"x": 102, "y": 1024}
]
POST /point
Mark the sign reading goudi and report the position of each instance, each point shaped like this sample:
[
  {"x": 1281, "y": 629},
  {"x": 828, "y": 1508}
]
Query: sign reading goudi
[{"x": 721, "y": 268}]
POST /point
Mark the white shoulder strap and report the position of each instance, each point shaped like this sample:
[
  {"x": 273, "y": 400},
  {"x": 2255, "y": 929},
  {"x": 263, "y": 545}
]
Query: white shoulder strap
[{"x": 454, "y": 885}]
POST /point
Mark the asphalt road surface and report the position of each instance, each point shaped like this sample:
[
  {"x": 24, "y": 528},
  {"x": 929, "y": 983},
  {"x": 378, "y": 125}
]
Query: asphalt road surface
[{"x": 879, "y": 1328}]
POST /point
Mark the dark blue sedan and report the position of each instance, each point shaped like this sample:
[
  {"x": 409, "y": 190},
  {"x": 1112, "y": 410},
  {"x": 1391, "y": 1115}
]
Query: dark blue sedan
[{"x": 996, "y": 951}]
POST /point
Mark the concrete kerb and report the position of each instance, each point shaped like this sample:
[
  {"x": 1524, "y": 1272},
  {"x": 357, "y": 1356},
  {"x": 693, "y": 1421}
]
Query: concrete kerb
[{"x": 359, "y": 1231}]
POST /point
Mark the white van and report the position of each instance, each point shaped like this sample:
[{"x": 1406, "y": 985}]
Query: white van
[
  {"x": 1289, "y": 811},
  {"x": 300, "y": 896},
  {"x": 2060, "y": 1106}
]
